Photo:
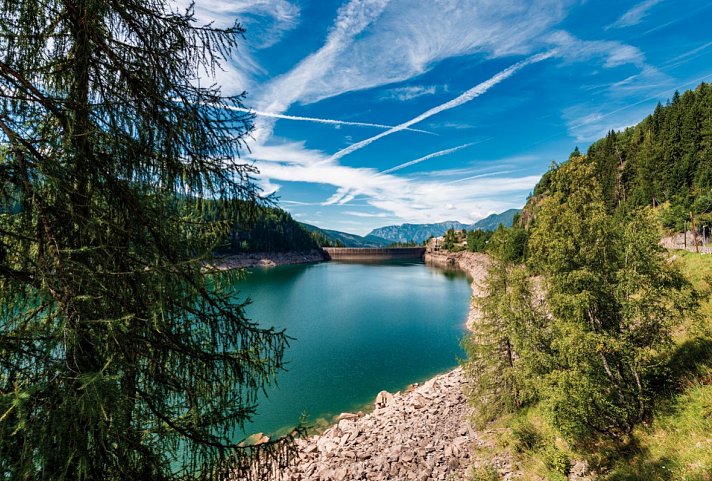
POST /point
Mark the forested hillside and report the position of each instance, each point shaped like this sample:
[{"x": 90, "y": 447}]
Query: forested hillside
[
  {"x": 665, "y": 158},
  {"x": 267, "y": 229}
]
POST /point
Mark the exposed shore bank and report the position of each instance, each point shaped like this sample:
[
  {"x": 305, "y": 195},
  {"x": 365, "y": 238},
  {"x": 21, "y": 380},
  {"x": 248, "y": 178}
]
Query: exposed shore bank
[
  {"x": 269, "y": 259},
  {"x": 420, "y": 434}
]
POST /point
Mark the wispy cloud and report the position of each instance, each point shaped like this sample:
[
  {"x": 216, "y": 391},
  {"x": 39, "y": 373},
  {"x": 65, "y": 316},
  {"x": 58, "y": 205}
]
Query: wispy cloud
[
  {"x": 469, "y": 95},
  {"x": 354, "y": 213},
  {"x": 613, "y": 53},
  {"x": 635, "y": 15},
  {"x": 351, "y": 20},
  {"x": 411, "y": 200},
  {"x": 403, "y": 94},
  {"x": 266, "y": 20},
  {"x": 479, "y": 176},
  {"x": 404, "y": 41}
]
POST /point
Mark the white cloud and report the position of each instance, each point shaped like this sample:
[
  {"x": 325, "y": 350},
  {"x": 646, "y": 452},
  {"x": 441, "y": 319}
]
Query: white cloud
[
  {"x": 352, "y": 19},
  {"x": 635, "y": 15},
  {"x": 336, "y": 123},
  {"x": 410, "y": 200},
  {"x": 266, "y": 21},
  {"x": 407, "y": 39},
  {"x": 403, "y": 94},
  {"x": 378, "y": 42},
  {"x": 612, "y": 53},
  {"x": 379, "y": 215}
]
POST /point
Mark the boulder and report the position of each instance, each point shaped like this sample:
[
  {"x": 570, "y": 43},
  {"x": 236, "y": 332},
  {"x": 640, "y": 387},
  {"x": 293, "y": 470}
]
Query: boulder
[{"x": 383, "y": 399}]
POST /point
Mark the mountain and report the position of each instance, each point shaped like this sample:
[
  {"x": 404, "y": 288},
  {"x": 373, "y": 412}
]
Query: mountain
[
  {"x": 343, "y": 239},
  {"x": 415, "y": 232},
  {"x": 493, "y": 221},
  {"x": 422, "y": 232}
]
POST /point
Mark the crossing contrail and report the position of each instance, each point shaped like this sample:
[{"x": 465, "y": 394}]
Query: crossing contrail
[
  {"x": 318, "y": 120},
  {"x": 474, "y": 92}
]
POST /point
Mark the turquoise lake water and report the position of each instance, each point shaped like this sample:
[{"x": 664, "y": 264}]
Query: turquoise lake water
[{"x": 358, "y": 329}]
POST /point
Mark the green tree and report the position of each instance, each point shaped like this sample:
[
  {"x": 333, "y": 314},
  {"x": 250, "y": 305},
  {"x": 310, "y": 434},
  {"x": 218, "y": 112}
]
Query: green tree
[
  {"x": 449, "y": 240},
  {"x": 504, "y": 356},
  {"x": 614, "y": 299},
  {"x": 120, "y": 357}
]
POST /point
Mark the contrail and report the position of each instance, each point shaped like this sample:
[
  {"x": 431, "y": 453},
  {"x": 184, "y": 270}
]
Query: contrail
[
  {"x": 319, "y": 121},
  {"x": 431, "y": 156},
  {"x": 479, "y": 176},
  {"x": 474, "y": 92}
]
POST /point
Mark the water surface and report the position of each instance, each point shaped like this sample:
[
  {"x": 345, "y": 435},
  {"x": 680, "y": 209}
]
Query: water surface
[{"x": 358, "y": 329}]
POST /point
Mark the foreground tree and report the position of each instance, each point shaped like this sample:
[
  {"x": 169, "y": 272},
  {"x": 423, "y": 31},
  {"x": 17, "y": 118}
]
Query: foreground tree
[
  {"x": 120, "y": 357},
  {"x": 614, "y": 299}
]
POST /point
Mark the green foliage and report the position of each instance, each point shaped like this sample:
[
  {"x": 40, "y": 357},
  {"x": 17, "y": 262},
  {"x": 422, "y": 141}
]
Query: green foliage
[
  {"x": 557, "y": 461},
  {"x": 614, "y": 300},
  {"x": 120, "y": 356},
  {"x": 526, "y": 436},
  {"x": 674, "y": 217},
  {"x": 509, "y": 244},
  {"x": 665, "y": 158},
  {"x": 503, "y": 352},
  {"x": 477, "y": 240},
  {"x": 270, "y": 229},
  {"x": 485, "y": 473},
  {"x": 451, "y": 241}
]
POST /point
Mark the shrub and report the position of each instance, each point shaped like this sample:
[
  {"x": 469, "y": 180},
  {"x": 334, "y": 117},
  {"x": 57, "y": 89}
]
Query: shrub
[{"x": 526, "y": 437}]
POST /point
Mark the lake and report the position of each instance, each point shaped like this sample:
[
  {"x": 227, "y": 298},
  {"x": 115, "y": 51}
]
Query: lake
[{"x": 358, "y": 329}]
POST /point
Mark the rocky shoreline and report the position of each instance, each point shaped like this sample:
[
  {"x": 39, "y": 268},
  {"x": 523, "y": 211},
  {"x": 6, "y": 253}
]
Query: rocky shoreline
[{"x": 269, "y": 259}]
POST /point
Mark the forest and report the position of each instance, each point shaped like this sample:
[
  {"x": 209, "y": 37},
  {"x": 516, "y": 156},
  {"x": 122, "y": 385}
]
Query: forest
[{"x": 664, "y": 160}]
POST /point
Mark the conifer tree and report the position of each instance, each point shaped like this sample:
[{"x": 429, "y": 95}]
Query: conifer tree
[{"x": 120, "y": 356}]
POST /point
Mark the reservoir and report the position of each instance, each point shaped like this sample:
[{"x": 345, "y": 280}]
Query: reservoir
[{"x": 358, "y": 329}]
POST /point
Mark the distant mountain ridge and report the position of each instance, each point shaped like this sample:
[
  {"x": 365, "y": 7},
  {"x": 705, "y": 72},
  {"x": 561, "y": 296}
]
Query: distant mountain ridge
[
  {"x": 422, "y": 232},
  {"x": 346, "y": 239}
]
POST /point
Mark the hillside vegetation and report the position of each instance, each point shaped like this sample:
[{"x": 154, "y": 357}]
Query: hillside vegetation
[
  {"x": 595, "y": 347},
  {"x": 665, "y": 159}
]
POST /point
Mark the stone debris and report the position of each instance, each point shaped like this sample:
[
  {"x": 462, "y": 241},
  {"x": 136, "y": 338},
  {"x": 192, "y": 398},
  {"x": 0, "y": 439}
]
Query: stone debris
[{"x": 422, "y": 434}]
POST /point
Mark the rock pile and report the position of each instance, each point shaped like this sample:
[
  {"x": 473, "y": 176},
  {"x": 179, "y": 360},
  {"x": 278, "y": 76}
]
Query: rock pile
[{"x": 422, "y": 434}]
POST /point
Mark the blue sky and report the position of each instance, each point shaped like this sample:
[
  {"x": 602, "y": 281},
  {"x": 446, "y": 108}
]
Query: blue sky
[{"x": 378, "y": 112}]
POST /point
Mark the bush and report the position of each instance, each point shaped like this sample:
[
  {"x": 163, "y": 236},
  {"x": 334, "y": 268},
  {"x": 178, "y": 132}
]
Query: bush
[
  {"x": 526, "y": 437},
  {"x": 557, "y": 461},
  {"x": 485, "y": 473},
  {"x": 673, "y": 218}
]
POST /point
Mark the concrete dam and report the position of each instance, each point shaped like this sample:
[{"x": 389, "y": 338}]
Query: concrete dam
[{"x": 373, "y": 254}]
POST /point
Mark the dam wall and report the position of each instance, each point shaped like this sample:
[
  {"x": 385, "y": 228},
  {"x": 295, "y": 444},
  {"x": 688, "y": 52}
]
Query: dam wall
[{"x": 373, "y": 254}]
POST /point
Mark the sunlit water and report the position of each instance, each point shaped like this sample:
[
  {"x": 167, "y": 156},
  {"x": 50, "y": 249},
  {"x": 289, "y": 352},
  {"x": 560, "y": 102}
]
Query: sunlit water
[{"x": 358, "y": 329}]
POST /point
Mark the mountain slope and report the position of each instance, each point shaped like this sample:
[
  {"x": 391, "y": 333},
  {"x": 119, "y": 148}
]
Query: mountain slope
[
  {"x": 493, "y": 221},
  {"x": 344, "y": 239},
  {"x": 416, "y": 232},
  {"x": 422, "y": 232}
]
